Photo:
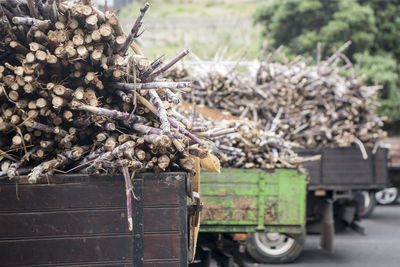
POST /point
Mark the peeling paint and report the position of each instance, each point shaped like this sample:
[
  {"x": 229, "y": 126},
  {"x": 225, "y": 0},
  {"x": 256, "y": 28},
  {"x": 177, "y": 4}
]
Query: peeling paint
[
  {"x": 237, "y": 198},
  {"x": 270, "y": 210}
]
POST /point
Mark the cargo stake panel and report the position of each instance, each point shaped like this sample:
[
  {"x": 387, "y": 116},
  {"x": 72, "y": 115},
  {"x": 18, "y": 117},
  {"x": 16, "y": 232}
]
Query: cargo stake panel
[
  {"x": 394, "y": 174},
  {"x": 338, "y": 185},
  {"x": 394, "y": 163},
  {"x": 256, "y": 202},
  {"x": 81, "y": 220},
  {"x": 345, "y": 168}
]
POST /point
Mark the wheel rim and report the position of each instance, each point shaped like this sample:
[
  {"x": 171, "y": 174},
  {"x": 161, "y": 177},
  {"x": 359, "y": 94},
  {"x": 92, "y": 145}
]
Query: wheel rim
[
  {"x": 273, "y": 244},
  {"x": 367, "y": 199},
  {"x": 387, "y": 195}
]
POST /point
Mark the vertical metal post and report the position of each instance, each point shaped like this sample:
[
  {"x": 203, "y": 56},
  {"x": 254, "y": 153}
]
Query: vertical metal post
[
  {"x": 261, "y": 201},
  {"x": 138, "y": 214}
]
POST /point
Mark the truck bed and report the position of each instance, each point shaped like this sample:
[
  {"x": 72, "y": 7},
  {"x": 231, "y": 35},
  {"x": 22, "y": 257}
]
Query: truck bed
[
  {"x": 394, "y": 164},
  {"x": 345, "y": 169},
  {"x": 81, "y": 220},
  {"x": 238, "y": 200}
]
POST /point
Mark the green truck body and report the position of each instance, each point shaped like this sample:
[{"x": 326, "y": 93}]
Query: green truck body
[{"x": 243, "y": 201}]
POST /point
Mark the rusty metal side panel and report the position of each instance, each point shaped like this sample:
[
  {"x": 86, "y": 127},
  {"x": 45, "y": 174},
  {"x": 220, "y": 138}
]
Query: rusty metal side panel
[
  {"x": 290, "y": 207},
  {"x": 230, "y": 197},
  {"x": 229, "y": 210},
  {"x": 238, "y": 198}
]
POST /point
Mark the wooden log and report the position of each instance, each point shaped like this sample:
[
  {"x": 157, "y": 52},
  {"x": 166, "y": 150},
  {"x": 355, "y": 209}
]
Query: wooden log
[
  {"x": 135, "y": 29},
  {"x": 106, "y": 32},
  {"x": 34, "y": 12},
  {"x": 109, "y": 113},
  {"x": 58, "y": 102},
  {"x": 112, "y": 19},
  {"x": 41, "y": 24},
  {"x": 148, "y": 86},
  {"x": 19, "y": 48},
  {"x": 167, "y": 66},
  {"x": 91, "y": 22},
  {"x": 161, "y": 112}
]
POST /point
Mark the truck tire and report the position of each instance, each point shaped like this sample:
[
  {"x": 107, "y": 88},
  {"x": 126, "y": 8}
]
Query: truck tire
[
  {"x": 275, "y": 247},
  {"x": 369, "y": 204},
  {"x": 387, "y": 196}
]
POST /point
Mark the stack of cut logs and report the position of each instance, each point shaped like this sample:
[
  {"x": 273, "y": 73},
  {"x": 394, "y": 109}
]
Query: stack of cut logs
[
  {"x": 244, "y": 144},
  {"x": 311, "y": 105},
  {"x": 72, "y": 100}
]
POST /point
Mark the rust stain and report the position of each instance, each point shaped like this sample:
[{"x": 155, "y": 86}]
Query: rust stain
[
  {"x": 212, "y": 212},
  {"x": 240, "y": 212},
  {"x": 270, "y": 210},
  {"x": 220, "y": 193},
  {"x": 242, "y": 207}
]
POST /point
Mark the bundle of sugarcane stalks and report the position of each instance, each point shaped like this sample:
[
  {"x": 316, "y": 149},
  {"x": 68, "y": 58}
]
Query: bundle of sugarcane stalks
[
  {"x": 72, "y": 100},
  {"x": 245, "y": 144},
  {"x": 313, "y": 105}
]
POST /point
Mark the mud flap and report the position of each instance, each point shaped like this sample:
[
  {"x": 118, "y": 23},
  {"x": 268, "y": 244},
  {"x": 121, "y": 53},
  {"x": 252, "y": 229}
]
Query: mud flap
[
  {"x": 328, "y": 227},
  {"x": 352, "y": 213},
  {"x": 355, "y": 226}
]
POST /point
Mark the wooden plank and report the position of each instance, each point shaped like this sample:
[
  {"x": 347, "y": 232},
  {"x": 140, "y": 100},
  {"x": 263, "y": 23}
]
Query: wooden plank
[
  {"x": 84, "y": 222},
  {"x": 158, "y": 192},
  {"x": 67, "y": 250},
  {"x": 87, "y": 179},
  {"x": 121, "y": 263},
  {"x": 161, "y": 219},
  {"x": 94, "y": 264},
  {"x": 86, "y": 194},
  {"x": 162, "y": 246},
  {"x": 64, "y": 196},
  {"x": 63, "y": 223},
  {"x": 162, "y": 264}
]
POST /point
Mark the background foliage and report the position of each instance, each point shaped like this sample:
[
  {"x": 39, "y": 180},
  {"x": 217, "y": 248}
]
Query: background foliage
[
  {"x": 205, "y": 27},
  {"x": 372, "y": 25}
]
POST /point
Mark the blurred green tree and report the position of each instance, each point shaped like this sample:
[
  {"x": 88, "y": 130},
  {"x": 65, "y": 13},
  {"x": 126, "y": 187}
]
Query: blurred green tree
[{"x": 372, "y": 26}]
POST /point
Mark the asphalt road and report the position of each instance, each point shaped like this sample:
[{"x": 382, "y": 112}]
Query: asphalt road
[{"x": 379, "y": 247}]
